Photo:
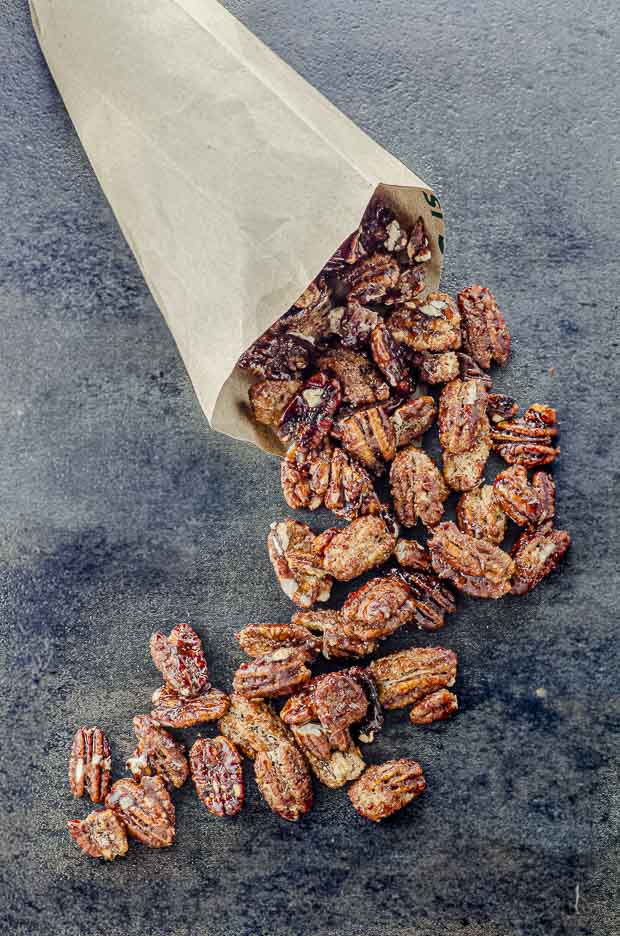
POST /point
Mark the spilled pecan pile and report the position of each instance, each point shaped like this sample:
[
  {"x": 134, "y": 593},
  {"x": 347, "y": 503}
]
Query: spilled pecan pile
[{"x": 342, "y": 380}]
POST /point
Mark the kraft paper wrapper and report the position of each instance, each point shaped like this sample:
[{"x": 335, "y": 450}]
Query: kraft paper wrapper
[{"x": 232, "y": 179}]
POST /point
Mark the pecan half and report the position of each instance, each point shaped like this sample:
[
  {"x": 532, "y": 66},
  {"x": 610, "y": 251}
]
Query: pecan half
[
  {"x": 536, "y": 553},
  {"x": 392, "y": 359},
  {"x": 437, "y": 706},
  {"x": 437, "y": 368},
  {"x": 405, "y": 677},
  {"x": 412, "y": 419},
  {"x": 369, "y": 436},
  {"x": 100, "y": 835},
  {"x": 90, "y": 764},
  {"x": 430, "y": 600},
  {"x": 367, "y": 542},
  {"x": 332, "y": 767},
  {"x": 462, "y": 412},
  {"x": 354, "y": 324},
  {"x": 283, "y": 780},
  {"x": 340, "y": 702},
  {"x": 500, "y": 407},
  {"x": 305, "y": 474},
  {"x": 252, "y": 726},
  {"x": 476, "y": 567},
  {"x": 479, "y": 513},
  {"x": 410, "y": 284},
  {"x": 383, "y": 789},
  {"x": 485, "y": 333},
  {"x": 418, "y": 249},
  {"x": 469, "y": 370},
  {"x": 277, "y": 673},
  {"x": 527, "y": 440},
  {"x": 412, "y": 555},
  {"x": 429, "y": 324},
  {"x": 269, "y": 399},
  {"x": 527, "y": 504},
  {"x": 180, "y": 660},
  {"x": 173, "y": 711},
  {"x": 277, "y": 356},
  {"x": 417, "y": 487},
  {"x": 361, "y": 383},
  {"x": 350, "y": 492},
  {"x": 157, "y": 753},
  {"x": 372, "y": 722},
  {"x": 336, "y": 643},
  {"x": 259, "y": 639},
  {"x": 378, "y": 608},
  {"x": 297, "y": 563},
  {"x": 309, "y": 416},
  {"x": 146, "y": 809},
  {"x": 309, "y": 317},
  {"x": 218, "y": 775},
  {"x": 464, "y": 471},
  {"x": 371, "y": 278}
]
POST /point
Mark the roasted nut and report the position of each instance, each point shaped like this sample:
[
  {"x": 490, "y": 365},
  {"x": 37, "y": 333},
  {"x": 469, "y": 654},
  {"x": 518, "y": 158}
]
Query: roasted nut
[
  {"x": 434, "y": 707},
  {"x": 369, "y": 436},
  {"x": 146, "y": 809},
  {"x": 361, "y": 383},
  {"x": 536, "y": 553},
  {"x": 476, "y": 567},
  {"x": 158, "y": 753},
  {"x": 430, "y": 599},
  {"x": 371, "y": 278},
  {"x": 309, "y": 416},
  {"x": 412, "y": 555},
  {"x": 464, "y": 471},
  {"x": 277, "y": 356},
  {"x": 180, "y": 660},
  {"x": 336, "y": 643},
  {"x": 252, "y": 726},
  {"x": 218, "y": 775},
  {"x": 527, "y": 504},
  {"x": 412, "y": 419},
  {"x": 350, "y": 492},
  {"x": 392, "y": 359},
  {"x": 437, "y": 368},
  {"x": 367, "y": 542},
  {"x": 100, "y": 835},
  {"x": 479, "y": 514},
  {"x": 309, "y": 317},
  {"x": 349, "y": 252},
  {"x": 462, "y": 412},
  {"x": 378, "y": 608},
  {"x": 418, "y": 249},
  {"x": 340, "y": 702},
  {"x": 354, "y": 324},
  {"x": 379, "y": 227},
  {"x": 277, "y": 673},
  {"x": 405, "y": 677},
  {"x": 429, "y": 324},
  {"x": 173, "y": 711},
  {"x": 297, "y": 563},
  {"x": 90, "y": 764},
  {"x": 332, "y": 767},
  {"x": 383, "y": 789},
  {"x": 500, "y": 407},
  {"x": 269, "y": 399},
  {"x": 283, "y": 780},
  {"x": 410, "y": 284},
  {"x": 485, "y": 333},
  {"x": 305, "y": 474},
  {"x": 259, "y": 639},
  {"x": 372, "y": 722},
  {"x": 417, "y": 487},
  {"x": 469, "y": 370},
  {"x": 527, "y": 440}
]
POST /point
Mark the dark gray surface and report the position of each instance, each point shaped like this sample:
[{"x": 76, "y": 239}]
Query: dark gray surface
[{"x": 120, "y": 512}]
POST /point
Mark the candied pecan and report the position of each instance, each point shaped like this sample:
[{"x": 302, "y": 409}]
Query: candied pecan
[
  {"x": 367, "y": 542},
  {"x": 157, "y": 753},
  {"x": 354, "y": 324},
  {"x": 430, "y": 599},
  {"x": 480, "y": 514},
  {"x": 464, "y": 471},
  {"x": 417, "y": 487},
  {"x": 469, "y": 370},
  {"x": 309, "y": 317},
  {"x": 485, "y": 333},
  {"x": 90, "y": 764},
  {"x": 372, "y": 722},
  {"x": 412, "y": 555},
  {"x": 378, "y": 608},
  {"x": 412, "y": 419},
  {"x": 437, "y": 368},
  {"x": 252, "y": 726},
  {"x": 277, "y": 356},
  {"x": 339, "y": 701},
  {"x": 283, "y": 780},
  {"x": 383, "y": 789},
  {"x": 336, "y": 643},
  {"x": 377, "y": 226},
  {"x": 269, "y": 399},
  {"x": 500, "y": 407},
  {"x": 527, "y": 440},
  {"x": 429, "y": 324},
  {"x": 405, "y": 677},
  {"x": 476, "y": 567},
  {"x": 396, "y": 238},
  {"x": 434, "y": 707},
  {"x": 536, "y": 553},
  {"x": 100, "y": 835},
  {"x": 258, "y": 639},
  {"x": 277, "y": 673},
  {"x": 418, "y": 249},
  {"x": 350, "y": 492},
  {"x": 462, "y": 410},
  {"x": 304, "y": 474},
  {"x": 371, "y": 278},
  {"x": 349, "y": 252},
  {"x": 180, "y": 660},
  {"x": 332, "y": 767},
  {"x": 392, "y": 359},
  {"x": 410, "y": 284},
  {"x": 369, "y": 436},
  {"x": 527, "y": 504},
  {"x": 361, "y": 383},
  {"x": 146, "y": 809},
  {"x": 173, "y": 711},
  {"x": 309, "y": 416},
  {"x": 218, "y": 775},
  {"x": 298, "y": 566}
]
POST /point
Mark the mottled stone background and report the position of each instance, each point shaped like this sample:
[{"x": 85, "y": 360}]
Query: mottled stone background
[{"x": 120, "y": 512}]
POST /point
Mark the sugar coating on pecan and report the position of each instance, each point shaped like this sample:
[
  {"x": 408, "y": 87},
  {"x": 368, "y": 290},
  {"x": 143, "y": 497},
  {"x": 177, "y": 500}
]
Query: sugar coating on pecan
[
  {"x": 431, "y": 599},
  {"x": 500, "y": 407},
  {"x": 218, "y": 775},
  {"x": 429, "y": 324},
  {"x": 364, "y": 544},
  {"x": 462, "y": 412},
  {"x": 283, "y": 779},
  {"x": 252, "y": 726},
  {"x": 527, "y": 440},
  {"x": 437, "y": 706},
  {"x": 146, "y": 810},
  {"x": 157, "y": 753},
  {"x": 418, "y": 248},
  {"x": 90, "y": 764},
  {"x": 259, "y": 639},
  {"x": 537, "y": 553},
  {"x": 469, "y": 370},
  {"x": 383, "y": 789},
  {"x": 336, "y": 643},
  {"x": 479, "y": 513},
  {"x": 173, "y": 711},
  {"x": 310, "y": 414},
  {"x": 360, "y": 381},
  {"x": 331, "y": 766},
  {"x": 369, "y": 436},
  {"x": 298, "y": 563},
  {"x": 371, "y": 278},
  {"x": 181, "y": 661},
  {"x": 350, "y": 492},
  {"x": 277, "y": 673},
  {"x": 465, "y": 470},
  {"x": 411, "y": 283},
  {"x": 412, "y": 555},
  {"x": 305, "y": 474},
  {"x": 528, "y": 504},
  {"x": 392, "y": 359},
  {"x": 412, "y": 419},
  {"x": 475, "y": 566},
  {"x": 378, "y": 608},
  {"x": 405, "y": 677},
  {"x": 340, "y": 702},
  {"x": 437, "y": 368},
  {"x": 354, "y": 324},
  {"x": 485, "y": 333},
  {"x": 309, "y": 317},
  {"x": 418, "y": 488},
  {"x": 100, "y": 835},
  {"x": 269, "y": 399},
  {"x": 277, "y": 356}
]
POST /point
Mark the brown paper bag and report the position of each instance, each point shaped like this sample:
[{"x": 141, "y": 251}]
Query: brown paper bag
[{"x": 233, "y": 180}]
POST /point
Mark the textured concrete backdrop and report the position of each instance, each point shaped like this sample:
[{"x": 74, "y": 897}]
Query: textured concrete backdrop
[{"x": 120, "y": 512}]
